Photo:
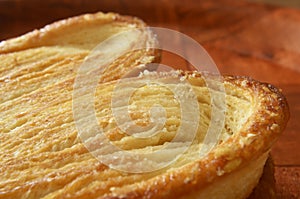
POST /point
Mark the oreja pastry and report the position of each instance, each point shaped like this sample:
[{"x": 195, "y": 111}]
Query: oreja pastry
[{"x": 43, "y": 154}]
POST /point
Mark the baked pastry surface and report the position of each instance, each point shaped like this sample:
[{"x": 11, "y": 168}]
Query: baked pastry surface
[{"x": 42, "y": 155}]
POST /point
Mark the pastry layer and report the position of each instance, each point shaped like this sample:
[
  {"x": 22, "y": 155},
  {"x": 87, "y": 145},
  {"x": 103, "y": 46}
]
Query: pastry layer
[{"x": 42, "y": 155}]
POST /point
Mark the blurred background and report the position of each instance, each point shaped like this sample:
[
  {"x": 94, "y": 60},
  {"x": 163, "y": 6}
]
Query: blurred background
[
  {"x": 288, "y": 3},
  {"x": 256, "y": 38},
  {"x": 20, "y": 16}
]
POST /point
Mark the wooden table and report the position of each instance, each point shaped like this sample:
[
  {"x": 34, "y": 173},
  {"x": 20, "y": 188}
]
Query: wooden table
[{"x": 243, "y": 38}]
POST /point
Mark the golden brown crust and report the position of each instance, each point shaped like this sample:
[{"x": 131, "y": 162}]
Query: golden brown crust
[
  {"x": 264, "y": 126},
  {"x": 37, "y": 73},
  {"x": 53, "y": 161},
  {"x": 45, "y": 35}
]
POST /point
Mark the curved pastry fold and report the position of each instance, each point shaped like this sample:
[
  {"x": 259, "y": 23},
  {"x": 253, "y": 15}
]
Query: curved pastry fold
[{"x": 42, "y": 155}]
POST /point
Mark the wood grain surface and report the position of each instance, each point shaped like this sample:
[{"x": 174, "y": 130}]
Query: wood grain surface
[{"x": 244, "y": 38}]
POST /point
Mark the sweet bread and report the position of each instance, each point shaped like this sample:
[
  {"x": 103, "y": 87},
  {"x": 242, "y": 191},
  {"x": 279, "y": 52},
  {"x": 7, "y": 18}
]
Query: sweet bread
[{"x": 44, "y": 156}]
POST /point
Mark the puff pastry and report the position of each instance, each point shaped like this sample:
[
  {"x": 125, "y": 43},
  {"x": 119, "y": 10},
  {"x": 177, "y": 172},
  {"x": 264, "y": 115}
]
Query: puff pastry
[{"x": 42, "y": 155}]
